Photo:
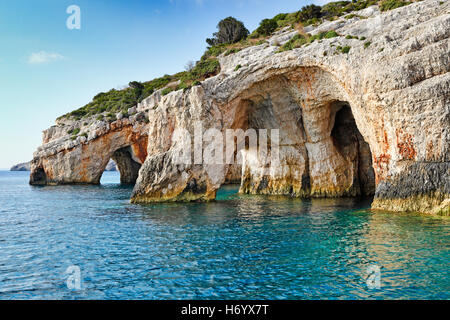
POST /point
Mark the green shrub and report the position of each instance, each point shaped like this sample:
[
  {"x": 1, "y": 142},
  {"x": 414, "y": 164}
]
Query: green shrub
[
  {"x": 345, "y": 49},
  {"x": 312, "y": 21},
  {"x": 362, "y": 38},
  {"x": 367, "y": 44},
  {"x": 331, "y": 34},
  {"x": 196, "y": 83},
  {"x": 339, "y": 8},
  {"x": 202, "y": 70},
  {"x": 100, "y": 117},
  {"x": 231, "y": 51},
  {"x": 296, "y": 42},
  {"x": 267, "y": 27},
  {"x": 166, "y": 91},
  {"x": 386, "y": 5},
  {"x": 310, "y": 12},
  {"x": 254, "y": 35},
  {"x": 284, "y": 20},
  {"x": 280, "y": 17},
  {"x": 237, "y": 67},
  {"x": 299, "y": 40},
  {"x": 76, "y": 131}
]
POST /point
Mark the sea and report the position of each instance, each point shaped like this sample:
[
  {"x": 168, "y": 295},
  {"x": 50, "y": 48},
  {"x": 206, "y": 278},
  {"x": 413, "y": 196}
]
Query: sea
[{"x": 90, "y": 242}]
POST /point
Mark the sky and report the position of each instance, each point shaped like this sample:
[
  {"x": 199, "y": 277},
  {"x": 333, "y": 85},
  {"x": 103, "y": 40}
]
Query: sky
[{"x": 47, "y": 69}]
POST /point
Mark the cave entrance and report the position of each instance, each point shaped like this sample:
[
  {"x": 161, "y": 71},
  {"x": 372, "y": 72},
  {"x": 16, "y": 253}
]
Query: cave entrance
[
  {"x": 125, "y": 165},
  {"x": 321, "y": 151},
  {"x": 351, "y": 145}
]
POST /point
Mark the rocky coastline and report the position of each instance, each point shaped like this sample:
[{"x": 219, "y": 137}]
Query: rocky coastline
[{"x": 373, "y": 119}]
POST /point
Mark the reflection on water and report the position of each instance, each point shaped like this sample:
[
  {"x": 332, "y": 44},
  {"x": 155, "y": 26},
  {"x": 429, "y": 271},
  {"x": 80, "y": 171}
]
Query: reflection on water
[{"x": 238, "y": 247}]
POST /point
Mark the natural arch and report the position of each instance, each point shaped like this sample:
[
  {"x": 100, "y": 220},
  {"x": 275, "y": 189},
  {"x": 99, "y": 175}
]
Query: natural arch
[
  {"x": 127, "y": 166},
  {"x": 318, "y": 156},
  {"x": 322, "y": 152}
]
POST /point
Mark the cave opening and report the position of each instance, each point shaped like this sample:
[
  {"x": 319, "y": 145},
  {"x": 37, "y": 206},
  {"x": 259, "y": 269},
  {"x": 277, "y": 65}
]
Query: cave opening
[
  {"x": 38, "y": 177},
  {"x": 322, "y": 152},
  {"x": 125, "y": 164},
  {"x": 351, "y": 145}
]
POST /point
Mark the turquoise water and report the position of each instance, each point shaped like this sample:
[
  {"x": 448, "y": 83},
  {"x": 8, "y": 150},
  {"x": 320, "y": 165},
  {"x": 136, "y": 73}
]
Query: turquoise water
[{"x": 239, "y": 247}]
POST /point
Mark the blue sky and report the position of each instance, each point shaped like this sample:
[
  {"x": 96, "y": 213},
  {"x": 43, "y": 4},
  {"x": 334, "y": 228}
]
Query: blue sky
[{"x": 48, "y": 70}]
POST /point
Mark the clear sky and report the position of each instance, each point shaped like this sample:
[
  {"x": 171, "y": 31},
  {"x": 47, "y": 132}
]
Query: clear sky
[{"x": 47, "y": 70}]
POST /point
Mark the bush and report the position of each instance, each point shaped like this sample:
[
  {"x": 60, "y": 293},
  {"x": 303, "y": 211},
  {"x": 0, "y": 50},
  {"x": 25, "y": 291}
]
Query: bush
[
  {"x": 331, "y": 34},
  {"x": 310, "y": 12},
  {"x": 76, "y": 131},
  {"x": 166, "y": 91},
  {"x": 345, "y": 49},
  {"x": 237, "y": 67},
  {"x": 386, "y": 5},
  {"x": 334, "y": 9},
  {"x": 367, "y": 44},
  {"x": 138, "y": 88},
  {"x": 296, "y": 42},
  {"x": 280, "y": 17},
  {"x": 339, "y": 8},
  {"x": 299, "y": 40},
  {"x": 231, "y": 51},
  {"x": 202, "y": 70},
  {"x": 267, "y": 27},
  {"x": 230, "y": 31}
]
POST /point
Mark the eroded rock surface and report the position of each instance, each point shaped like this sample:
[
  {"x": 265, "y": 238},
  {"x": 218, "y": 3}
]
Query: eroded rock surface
[
  {"x": 373, "y": 120},
  {"x": 65, "y": 159}
]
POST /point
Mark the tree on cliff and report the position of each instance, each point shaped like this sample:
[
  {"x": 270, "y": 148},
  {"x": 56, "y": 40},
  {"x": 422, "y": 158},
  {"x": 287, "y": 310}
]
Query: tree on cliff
[{"x": 230, "y": 31}]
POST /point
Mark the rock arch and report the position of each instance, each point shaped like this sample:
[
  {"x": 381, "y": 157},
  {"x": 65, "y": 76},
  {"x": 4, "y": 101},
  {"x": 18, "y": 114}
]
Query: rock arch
[
  {"x": 127, "y": 164},
  {"x": 83, "y": 161},
  {"x": 316, "y": 158}
]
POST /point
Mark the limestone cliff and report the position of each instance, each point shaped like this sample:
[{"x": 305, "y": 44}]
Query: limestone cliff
[{"x": 365, "y": 112}]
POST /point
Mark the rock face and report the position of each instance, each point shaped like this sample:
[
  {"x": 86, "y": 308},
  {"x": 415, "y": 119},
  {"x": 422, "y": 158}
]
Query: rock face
[
  {"x": 375, "y": 120},
  {"x": 21, "y": 167}
]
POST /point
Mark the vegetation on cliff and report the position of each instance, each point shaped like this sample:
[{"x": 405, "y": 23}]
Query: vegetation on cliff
[{"x": 231, "y": 37}]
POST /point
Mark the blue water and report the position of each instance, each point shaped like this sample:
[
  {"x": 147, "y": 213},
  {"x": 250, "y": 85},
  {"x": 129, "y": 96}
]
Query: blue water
[{"x": 240, "y": 247}]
